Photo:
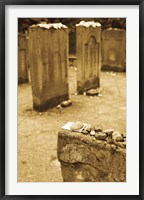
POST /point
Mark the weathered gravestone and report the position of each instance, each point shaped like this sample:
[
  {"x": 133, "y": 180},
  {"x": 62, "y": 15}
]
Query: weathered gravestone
[
  {"x": 84, "y": 158},
  {"x": 88, "y": 51},
  {"x": 22, "y": 59},
  {"x": 48, "y": 60},
  {"x": 114, "y": 49}
]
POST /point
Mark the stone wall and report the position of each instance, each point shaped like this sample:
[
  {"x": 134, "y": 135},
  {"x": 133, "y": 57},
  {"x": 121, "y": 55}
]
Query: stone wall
[
  {"x": 114, "y": 49},
  {"x": 88, "y": 51},
  {"x": 48, "y": 61},
  {"x": 22, "y": 59},
  {"x": 84, "y": 158}
]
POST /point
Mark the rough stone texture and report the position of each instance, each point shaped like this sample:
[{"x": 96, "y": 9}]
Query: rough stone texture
[
  {"x": 114, "y": 49},
  {"x": 88, "y": 51},
  {"x": 48, "y": 60},
  {"x": 22, "y": 59},
  {"x": 84, "y": 158}
]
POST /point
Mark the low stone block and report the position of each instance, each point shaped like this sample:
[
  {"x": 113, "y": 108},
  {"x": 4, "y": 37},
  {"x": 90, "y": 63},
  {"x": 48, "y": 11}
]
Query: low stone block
[{"x": 84, "y": 158}]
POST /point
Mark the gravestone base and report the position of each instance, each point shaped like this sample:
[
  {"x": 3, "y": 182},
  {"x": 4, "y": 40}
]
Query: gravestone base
[
  {"x": 113, "y": 68},
  {"x": 84, "y": 158},
  {"x": 51, "y": 103},
  {"x": 83, "y": 87}
]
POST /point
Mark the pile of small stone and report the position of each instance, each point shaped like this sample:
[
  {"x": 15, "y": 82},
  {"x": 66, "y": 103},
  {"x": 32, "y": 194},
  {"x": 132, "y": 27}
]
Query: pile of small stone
[
  {"x": 110, "y": 135},
  {"x": 94, "y": 92},
  {"x": 65, "y": 104}
]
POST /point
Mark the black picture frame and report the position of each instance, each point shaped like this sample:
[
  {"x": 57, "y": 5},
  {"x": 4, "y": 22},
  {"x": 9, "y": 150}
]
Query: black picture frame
[{"x": 3, "y": 3}]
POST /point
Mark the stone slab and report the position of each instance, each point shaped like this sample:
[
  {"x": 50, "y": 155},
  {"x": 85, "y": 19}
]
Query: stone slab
[
  {"x": 88, "y": 51},
  {"x": 84, "y": 158},
  {"x": 114, "y": 49},
  {"x": 48, "y": 61},
  {"x": 22, "y": 59}
]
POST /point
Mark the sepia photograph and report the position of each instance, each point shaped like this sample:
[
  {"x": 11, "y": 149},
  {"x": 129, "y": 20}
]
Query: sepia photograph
[{"x": 71, "y": 100}]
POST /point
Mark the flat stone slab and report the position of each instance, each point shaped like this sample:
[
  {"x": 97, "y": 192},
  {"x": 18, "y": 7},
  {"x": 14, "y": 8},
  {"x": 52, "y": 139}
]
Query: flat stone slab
[{"x": 84, "y": 158}]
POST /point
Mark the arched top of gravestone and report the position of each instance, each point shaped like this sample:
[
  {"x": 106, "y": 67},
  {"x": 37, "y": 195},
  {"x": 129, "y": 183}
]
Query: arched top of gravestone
[
  {"x": 50, "y": 25},
  {"x": 89, "y": 24},
  {"x": 92, "y": 40}
]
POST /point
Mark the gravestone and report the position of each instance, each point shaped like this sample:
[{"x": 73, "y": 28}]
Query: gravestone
[
  {"x": 114, "y": 49},
  {"x": 48, "y": 60},
  {"x": 84, "y": 158},
  {"x": 22, "y": 59},
  {"x": 88, "y": 51}
]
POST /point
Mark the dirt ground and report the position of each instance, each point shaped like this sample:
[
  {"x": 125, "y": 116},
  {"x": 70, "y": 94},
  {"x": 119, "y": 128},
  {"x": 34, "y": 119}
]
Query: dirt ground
[{"x": 37, "y": 132}]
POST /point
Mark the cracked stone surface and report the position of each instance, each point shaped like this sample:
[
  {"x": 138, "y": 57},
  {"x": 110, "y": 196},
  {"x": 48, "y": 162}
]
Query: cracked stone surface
[{"x": 85, "y": 158}]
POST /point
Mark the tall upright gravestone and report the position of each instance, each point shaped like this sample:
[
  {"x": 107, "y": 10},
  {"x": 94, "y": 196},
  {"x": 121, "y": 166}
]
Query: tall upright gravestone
[
  {"x": 114, "y": 49},
  {"x": 22, "y": 59},
  {"x": 88, "y": 50},
  {"x": 48, "y": 60}
]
